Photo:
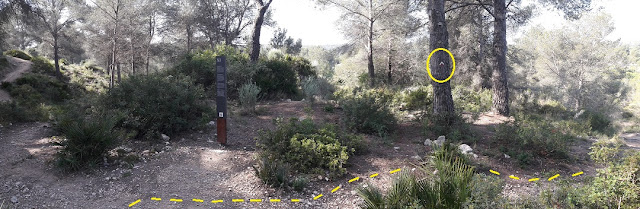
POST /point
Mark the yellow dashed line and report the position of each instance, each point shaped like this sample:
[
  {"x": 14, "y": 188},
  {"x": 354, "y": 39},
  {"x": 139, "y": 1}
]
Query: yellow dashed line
[
  {"x": 274, "y": 200},
  {"x": 553, "y": 177},
  {"x": 134, "y": 203},
  {"x": 494, "y": 172},
  {"x": 255, "y": 200},
  {"x": 295, "y": 200},
  {"x": 514, "y": 177},
  {"x": 534, "y": 179},
  {"x": 237, "y": 200},
  {"x": 373, "y": 175},
  {"x": 175, "y": 200},
  {"x": 393, "y": 171},
  {"x": 216, "y": 201},
  {"x": 315, "y": 198},
  {"x": 354, "y": 179},
  {"x": 577, "y": 174},
  {"x": 156, "y": 199},
  {"x": 335, "y": 189},
  {"x": 197, "y": 200}
]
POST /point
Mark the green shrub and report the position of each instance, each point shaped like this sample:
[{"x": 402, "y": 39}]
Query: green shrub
[
  {"x": 314, "y": 86},
  {"x": 487, "y": 192},
  {"x": 86, "y": 142},
  {"x": 272, "y": 172},
  {"x": 249, "y": 96},
  {"x": 157, "y": 104},
  {"x": 309, "y": 148},
  {"x": 451, "y": 187},
  {"x": 44, "y": 66},
  {"x": 328, "y": 108},
  {"x": 600, "y": 123},
  {"x": 11, "y": 112},
  {"x": 18, "y": 53},
  {"x": 467, "y": 99},
  {"x": 419, "y": 99},
  {"x": 277, "y": 79},
  {"x": 369, "y": 112},
  {"x": 49, "y": 88},
  {"x": 564, "y": 195},
  {"x": 531, "y": 136},
  {"x": 453, "y": 126}
]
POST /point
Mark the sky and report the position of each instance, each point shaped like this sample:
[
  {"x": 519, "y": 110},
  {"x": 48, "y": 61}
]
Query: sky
[{"x": 316, "y": 26}]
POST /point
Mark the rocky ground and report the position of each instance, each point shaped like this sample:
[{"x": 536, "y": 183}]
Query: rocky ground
[{"x": 194, "y": 166}]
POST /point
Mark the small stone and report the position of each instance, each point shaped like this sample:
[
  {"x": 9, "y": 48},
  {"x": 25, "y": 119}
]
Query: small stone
[
  {"x": 353, "y": 192},
  {"x": 396, "y": 148},
  {"x": 211, "y": 123},
  {"x": 417, "y": 157},
  {"x": 165, "y": 137},
  {"x": 319, "y": 177},
  {"x": 507, "y": 156},
  {"x": 440, "y": 141},
  {"x": 288, "y": 100},
  {"x": 14, "y": 199},
  {"x": 428, "y": 142},
  {"x": 474, "y": 155},
  {"x": 465, "y": 149}
]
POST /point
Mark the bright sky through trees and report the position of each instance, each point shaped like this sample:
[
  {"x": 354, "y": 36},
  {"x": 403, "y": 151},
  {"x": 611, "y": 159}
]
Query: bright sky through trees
[{"x": 304, "y": 19}]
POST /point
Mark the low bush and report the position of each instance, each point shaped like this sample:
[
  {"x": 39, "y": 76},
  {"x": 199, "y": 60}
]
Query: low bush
[
  {"x": 451, "y": 187},
  {"x": 600, "y": 123},
  {"x": 309, "y": 148},
  {"x": 369, "y": 112},
  {"x": 11, "y": 112},
  {"x": 249, "y": 96},
  {"x": 86, "y": 142},
  {"x": 17, "y": 53},
  {"x": 313, "y": 87},
  {"x": 277, "y": 79},
  {"x": 531, "y": 136},
  {"x": 272, "y": 172},
  {"x": 157, "y": 104},
  {"x": 48, "y": 88},
  {"x": 417, "y": 98},
  {"x": 43, "y": 66},
  {"x": 467, "y": 99},
  {"x": 486, "y": 192},
  {"x": 453, "y": 126}
]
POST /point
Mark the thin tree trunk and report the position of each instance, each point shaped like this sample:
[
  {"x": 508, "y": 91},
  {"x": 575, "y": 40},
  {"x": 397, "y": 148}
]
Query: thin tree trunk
[
  {"x": 119, "y": 77},
  {"x": 257, "y": 27},
  {"x": 370, "y": 65},
  {"x": 133, "y": 56},
  {"x": 189, "y": 35},
  {"x": 56, "y": 56},
  {"x": 499, "y": 78},
  {"x": 389, "y": 59},
  {"x": 440, "y": 62}
]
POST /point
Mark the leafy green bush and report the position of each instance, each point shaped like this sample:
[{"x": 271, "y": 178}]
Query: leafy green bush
[
  {"x": 451, "y": 187},
  {"x": 12, "y": 111},
  {"x": 532, "y": 136},
  {"x": 467, "y": 99},
  {"x": 600, "y": 123},
  {"x": 487, "y": 192},
  {"x": 249, "y": 96},
  {"x": 157, "y": 104},
  {"x": 272, "y": 172},
  {"x": 18, "y": 53},
  {"x": 414, "y": 98},
  {"x": 315, "y": 86},
  {"x": 309, "y": 148},
  {"x": 87, "y": 141},
  {"x": 277, "y": 79},
  {"x": 44, "y": 66},
  {"x": 49, "y": 88},
  {"x": 453, "y": 126},
  {"x": 369, "y": 112}
]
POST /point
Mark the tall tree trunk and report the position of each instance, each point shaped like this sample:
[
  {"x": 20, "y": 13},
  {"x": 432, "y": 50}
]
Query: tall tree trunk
[
  {"x": 189, "y": 36},
  {"x": 133, "y": 56},
  {"x": 440, "y": 62},
  {"x": 119, "y": 75},
  {"x": 370, "y": 65},
  {"x": 499, "y": 78},
  {"x": 56, "y": 56},
  {"x": 257, "y": 27},
  {"x": 389, "y": 59}
]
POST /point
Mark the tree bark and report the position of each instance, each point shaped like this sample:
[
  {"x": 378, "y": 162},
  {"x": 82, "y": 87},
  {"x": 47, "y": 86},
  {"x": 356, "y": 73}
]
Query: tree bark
[
  {"x": 499, "y": 77},
  {"x": 56, "y": 55},
  {"x": 257, "y": 27},
  {"x": 370, "y": 65},
  {"x": 389, "y": 59},
  {"x": 440, "y": 62}
]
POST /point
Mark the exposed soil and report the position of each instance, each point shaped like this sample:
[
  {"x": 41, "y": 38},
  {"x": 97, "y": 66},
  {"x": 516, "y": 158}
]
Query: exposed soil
[
  {"x": 19, "y": 68},
  {"x": 194, "y": 166}
]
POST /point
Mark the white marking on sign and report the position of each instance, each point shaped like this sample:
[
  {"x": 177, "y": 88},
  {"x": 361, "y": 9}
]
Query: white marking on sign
[{"x": 221, "y": 115}]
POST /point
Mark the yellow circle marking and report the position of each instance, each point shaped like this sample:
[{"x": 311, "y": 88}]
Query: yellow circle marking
[{"x": 452, "y": 71}]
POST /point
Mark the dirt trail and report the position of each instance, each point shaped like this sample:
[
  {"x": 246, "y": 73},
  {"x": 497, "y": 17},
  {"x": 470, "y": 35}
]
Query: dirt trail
[{"x": 20, "y": 67}]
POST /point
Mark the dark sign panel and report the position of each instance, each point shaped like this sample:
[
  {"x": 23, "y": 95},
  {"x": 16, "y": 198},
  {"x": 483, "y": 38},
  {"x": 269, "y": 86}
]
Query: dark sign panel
[{"x": 221, "y": 98}]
